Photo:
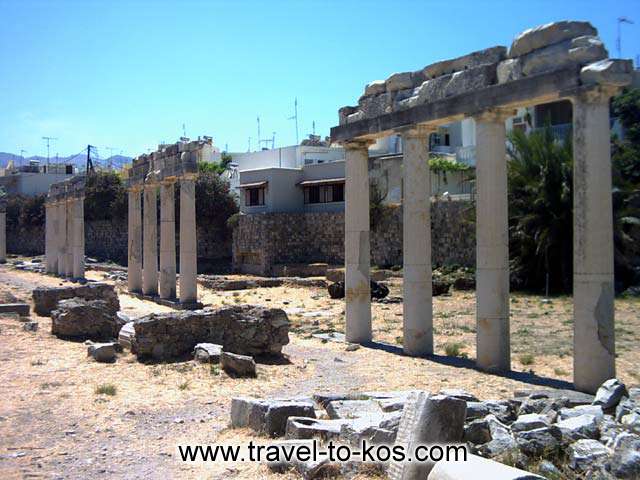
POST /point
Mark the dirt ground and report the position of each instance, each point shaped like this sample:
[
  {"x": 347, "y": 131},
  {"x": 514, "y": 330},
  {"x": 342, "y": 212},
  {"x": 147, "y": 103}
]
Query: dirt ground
[{"x": 55, "y": 424}]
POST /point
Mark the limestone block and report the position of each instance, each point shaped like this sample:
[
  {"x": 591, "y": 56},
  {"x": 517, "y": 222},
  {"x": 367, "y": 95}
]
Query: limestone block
[
  {"x": 529, "y": 421},
  {"x": 21, "y": 309},
  {"x": 608, "y": 72},
  {"x": 610, "y": 393},
  {"x": 46, "y": 299},
  {"x": 305, "y": 428},
  {"x": 381, "y": 428},
  {"x": 471, "y": 79},
  {"x": 102, "y": 352},
  {"x": 539, "y": 442},
  {"x": 279, "y": 412},
  {"x": 548, "y": 34},
  {"x": 85, "y": 319},
  {"x": 399, "y": 81},
  {"x": 509, "y": 70},
  {"x": 478, "y": 467},
  {"x": 355, "y": 117},
  {"x": 344, "y": 112},
  {"x": 375, "y": 105},
  {"x": 626, "y": 456},
  {"x": 475, "y": 59},
  {"x": 458, "y": 393},
  {"x": 577, "y": 51},
  {"x": 238, "y": 365},
  {"x": 587, "y": 453},
  {"x": 576, "y": 428},
  {"x": 352, "y": 408},
  {"x": 375, "y": 87},
  {"x": 594, "y": 410},
  {"x": 207, "y": 352},
  {"x": 477, "y": 432}
]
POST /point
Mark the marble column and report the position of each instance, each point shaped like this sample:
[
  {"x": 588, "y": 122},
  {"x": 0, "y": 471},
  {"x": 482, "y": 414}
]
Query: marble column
[
  {"x": 188, "y": 241},
  {"x": 593, "y": 287},
  {"x": 150, "y": 245},
  {"x": 69, "y": 205},
  {"x": 48, "y": 252},
  {"x": 55, "y": 233},
  {"x": 78, "y": 238},
  {"x": 134, "y": 241},
  {"x": 416, "y": 244},
  {"x": 62, "y": 236},
  {"x": 357, "y": 246},
  {"x": 492, "y": 247},
  {"x": 167, "y": 240}
]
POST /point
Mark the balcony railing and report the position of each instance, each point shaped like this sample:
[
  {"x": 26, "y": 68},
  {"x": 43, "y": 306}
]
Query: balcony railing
[{"x": 466, "y": 155}]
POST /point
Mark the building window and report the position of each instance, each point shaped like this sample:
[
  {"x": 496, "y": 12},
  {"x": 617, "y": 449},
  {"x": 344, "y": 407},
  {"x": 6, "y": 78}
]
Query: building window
[
  {"x": 254, "y": 197},
  {"x": 324, "y": 193}
]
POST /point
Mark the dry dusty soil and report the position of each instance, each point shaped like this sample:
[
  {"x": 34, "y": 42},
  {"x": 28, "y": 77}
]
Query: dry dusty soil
[{"x": 55, "y": 423}]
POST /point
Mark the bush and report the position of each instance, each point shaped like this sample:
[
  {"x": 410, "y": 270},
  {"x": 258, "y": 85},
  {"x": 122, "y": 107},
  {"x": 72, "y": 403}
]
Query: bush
[
  {"x": 105, "y": 197},
  {"x": 25, "y": 212}
]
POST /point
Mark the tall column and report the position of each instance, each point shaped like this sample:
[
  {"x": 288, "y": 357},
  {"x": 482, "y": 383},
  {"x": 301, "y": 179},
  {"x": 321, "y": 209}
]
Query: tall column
[
  {"x": 48, "y": 257},
  {"x": 62, "y": 236},
  {"x": 593, "y": 291},
  {"x": 167, "y": 240},
  {"x": 55, "y": 233},
  {"x": 188, "y": 243},
  {"x": 357, "y": 246},
  {"x": 416, "y": 244},
  {"x": 492, "y": 248},
  {"x": 150, "y": 245},
  {"x": 134, "y": 262},
  {"x": 69, "y": 205},
  {"x": 78, "y": 238}
]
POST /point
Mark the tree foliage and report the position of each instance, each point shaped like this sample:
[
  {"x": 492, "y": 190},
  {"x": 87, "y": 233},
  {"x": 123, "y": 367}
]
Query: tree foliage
[{"x": 105, "y": 197}]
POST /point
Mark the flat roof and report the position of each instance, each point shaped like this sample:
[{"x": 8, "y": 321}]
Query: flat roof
[{"x": 324, "y": 181}]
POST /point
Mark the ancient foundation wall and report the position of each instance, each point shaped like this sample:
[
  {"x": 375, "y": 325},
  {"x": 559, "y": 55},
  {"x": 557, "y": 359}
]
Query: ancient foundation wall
[{"x": 262, "y": 241}]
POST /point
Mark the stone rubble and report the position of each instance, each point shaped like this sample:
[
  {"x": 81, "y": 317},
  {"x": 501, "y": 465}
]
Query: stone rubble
[
  {"x": 207, "y": 352},
  {"x": 238, "y": 365},
  {"x": 575, "y": 442},
  {"x": 85, "y": 319},
  {"x": 46, "y": 299}
]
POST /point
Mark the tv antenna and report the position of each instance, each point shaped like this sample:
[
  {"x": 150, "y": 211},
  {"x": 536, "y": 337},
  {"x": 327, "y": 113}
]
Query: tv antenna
[
  {"x": 295, "y": 117},
  {"x": 22, "y": 152},
  {"x": 259, "y": 132},
  {"x": 249, "y": 145},
  {"x": 621, "y": 20},
  {"x": 184, "y": 130},
  {"x": 49, "y": 140}
]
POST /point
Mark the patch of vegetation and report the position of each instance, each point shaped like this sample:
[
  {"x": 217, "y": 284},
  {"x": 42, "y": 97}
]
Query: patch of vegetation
[
  {"x": 106, "y": 389},
  {"x": 454, "y": 349},
  {"x": 184, "y": 385},
  {"x": 527, "y": 359},
  {"x": 214, "y": 369},
  {"x": 560, "y": 371}
]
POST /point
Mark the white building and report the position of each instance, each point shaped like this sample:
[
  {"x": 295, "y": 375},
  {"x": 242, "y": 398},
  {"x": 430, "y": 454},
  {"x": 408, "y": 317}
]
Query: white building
[{"x": 33, "y": 179}]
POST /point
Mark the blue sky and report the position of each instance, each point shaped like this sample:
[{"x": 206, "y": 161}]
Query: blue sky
[{"x": 128, "y": 74}]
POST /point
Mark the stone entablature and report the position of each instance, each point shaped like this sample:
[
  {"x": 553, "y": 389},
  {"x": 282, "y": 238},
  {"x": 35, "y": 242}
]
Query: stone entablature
[{"x": 559, "y": 61}]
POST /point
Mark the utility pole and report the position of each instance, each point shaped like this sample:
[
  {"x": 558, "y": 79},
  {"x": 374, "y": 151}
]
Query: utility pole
[
  {"x": 89, "y": 167},
  {"x": 295, "y": 117},
  {"x": 48, "y": 140},
  {"x": 621, "y": 20}
]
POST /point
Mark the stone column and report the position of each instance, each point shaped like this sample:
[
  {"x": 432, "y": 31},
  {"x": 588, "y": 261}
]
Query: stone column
[
  {"x": 593, "y": 288},
  {"x": 48, "y": 252},
  {"x": 150, "y": 245},
  {"x": 78, "y": 238},
  {"x": 188, "y": 241},
  {"x": 55, "y": 233},
  {"x": 492, "y": 237},
  {"x": 416, "y": 243},
  {"x": 62, "y": 236},
  {"x": 134, "y": 234},
  {"x": 167, "y": 240},
  {"x": 357, "y": 246},
  {"x": 68, "y": 269}
]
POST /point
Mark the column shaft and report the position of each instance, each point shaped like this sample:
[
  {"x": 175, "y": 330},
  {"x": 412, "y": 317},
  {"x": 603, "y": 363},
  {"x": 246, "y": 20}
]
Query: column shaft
[
  {"x": 357, "y": 246},
  {"x": 150, "y": 236},
  {"x": 134, "y": 262},
  {"x": 416, "y": 245},
  {"x": 593, "y": 287},
  {"x": 78, "y": 238},
  {"x": 492, "y": 251},
  {"x": 167, "y": 241},
  {"x": 3, "y": 236},
  {"x": 68, "y": 270},
  {"x": 47, "y": 238},
  {"x": 188, "y": 242},
  {"x": 62, "y": 237}
]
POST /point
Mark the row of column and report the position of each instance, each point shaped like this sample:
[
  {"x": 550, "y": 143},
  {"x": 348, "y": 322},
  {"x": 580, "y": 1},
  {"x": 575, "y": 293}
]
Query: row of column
[
  {"x": 64, "y": 237},
  {"x": 594, "y": 352},
  {"x": 143, "y": 274}
]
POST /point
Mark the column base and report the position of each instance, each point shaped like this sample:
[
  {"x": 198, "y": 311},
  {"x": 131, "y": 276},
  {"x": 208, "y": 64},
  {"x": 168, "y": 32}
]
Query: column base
[{"x": 168, "y": 302}]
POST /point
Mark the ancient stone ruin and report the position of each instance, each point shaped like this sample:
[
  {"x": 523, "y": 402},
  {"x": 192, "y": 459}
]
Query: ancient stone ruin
[
  {"x": 162, "y": 169},
  {"x": 3, "y": 229},
  {"x": 559, "y": 61},
  {"x": 64, "y": 228}
]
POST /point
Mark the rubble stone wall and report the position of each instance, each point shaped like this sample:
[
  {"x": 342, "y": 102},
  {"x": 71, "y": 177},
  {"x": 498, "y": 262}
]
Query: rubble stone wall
[{"x": 261, "y": 241}]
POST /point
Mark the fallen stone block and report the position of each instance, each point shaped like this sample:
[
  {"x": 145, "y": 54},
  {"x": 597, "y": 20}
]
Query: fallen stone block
[
  {"x": 306, "y": 428},
  {"x": 21, "y": 309},
  {"x": 45, "y": 300},
  {"x": 539, "y": 442},
  {"x": 378, "y": 290},
  {"x": 126, "y": 334},
  {"x": 238, "y": 365},
  {"x": 477, "y": 432},
  {"x": 626, "y": 456},
  {"x": 241, "y": 329},
  {"x": 548, "y": 34},
  {"x": 427, "y": 420},
  {"x": 577, "y": 428},
  {"x": 248, "y": 412},
  {"x": 102, "y": 352},
  {"x": 529, "y": 421},
  {"x": 586, "y": 454},
  {"x": 478, "y": 467},
  {"x": 375, "y": 429},
  {"x": 458, "y": 393},
  {"x": 609, "y": 394},
  {"x": 346, "y": 409},
  {"x": 30, "y": 326},
  {"x": 85, "y": 319},
  {"x": 594, "y": 410},
  {"x": 573, "y": 397},
  {"x": 207, "y": 352},
  {"x": 608, "y": 72},
  {"x": 279, "y": 411}
]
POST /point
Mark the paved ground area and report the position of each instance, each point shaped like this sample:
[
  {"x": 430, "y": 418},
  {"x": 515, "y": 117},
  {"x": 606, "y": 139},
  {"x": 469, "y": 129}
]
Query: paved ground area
[{"x": 54, "y": 424}]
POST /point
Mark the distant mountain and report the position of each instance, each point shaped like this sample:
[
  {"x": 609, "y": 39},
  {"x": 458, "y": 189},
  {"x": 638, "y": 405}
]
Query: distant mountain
[{"x": 116, "y": 161}]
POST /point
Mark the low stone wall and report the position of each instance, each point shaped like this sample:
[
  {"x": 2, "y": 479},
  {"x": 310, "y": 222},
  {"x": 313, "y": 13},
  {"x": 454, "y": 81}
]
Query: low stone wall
[
  {"x": 263, "y": 242},
  {"x": 45, "y": 299},
  {"x": 241, "y": 329},
  {"x": 107, "y": 240}
]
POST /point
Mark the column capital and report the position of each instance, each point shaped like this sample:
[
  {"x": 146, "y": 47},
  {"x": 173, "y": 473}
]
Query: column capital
[
  {"x": 596, "y": 94},
  {"x": 168, "y": 181},
  {"x": 420, "y": 131},
  {"x": 150, "y": 186},
  {"x": 358, "y": 144},
  {"x": 189, "y": 177},
  {"x": 137, "y": 188},
  {"x": 495, "y": 115}
]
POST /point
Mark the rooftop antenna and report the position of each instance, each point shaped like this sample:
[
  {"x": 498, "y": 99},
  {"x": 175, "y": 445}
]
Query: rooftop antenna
[
  {"x": 226, "y": 147},
  {"x": 313, "y": 127},
  {"x": 22, "y": 152},
  {"x": 621, "y": 20},
  {"x": 184, "y": 131},
  {"x": 295, "y": 117},
  {"x": 273, "y": 141},
  {"x": 249, "y": 145},
  {"x": 48, "y": 140},
  {"x": 258, "y": 132}
]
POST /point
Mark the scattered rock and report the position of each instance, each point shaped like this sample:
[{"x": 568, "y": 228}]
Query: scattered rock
[
  {"x": 305, "y": 428},
  {"x": 594, "y": 410},
  {"x": 85, "y": 319},
  {"x": 477, "y": 432},
  {"x": 21, "y": 309},
  {"x": 238, "y": 365},
  {"x": 207, "y": 352},
  {"x": 610, "y": 393},
  {"x": 539, "y": 442},
  {"x": 586, "y": 454},
  {"x": 548, "y": 34},
  {"x": 439, "y": 287},
  {"x": 30, "y": 326},
  {"x": 45, "y": 300},
  {"x": 378, "y": 290},
  {"x": 102, "y": 352},
  {"x": 529, "y": 421},
  {"x": 457, "y": 393},
  {"x": 626, "y": 456},
  {"x": 577, "y": 428}
]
